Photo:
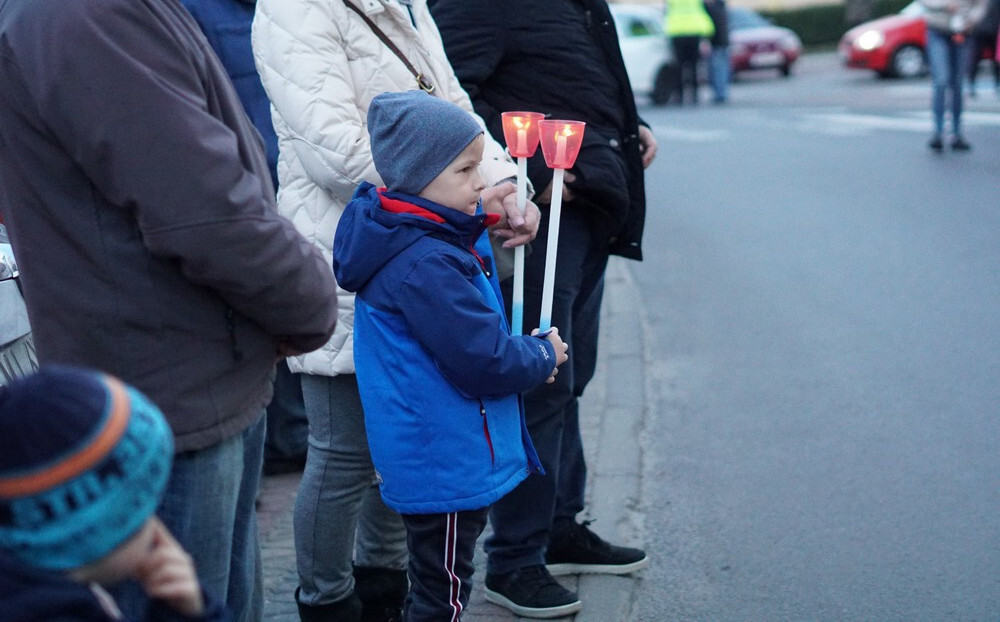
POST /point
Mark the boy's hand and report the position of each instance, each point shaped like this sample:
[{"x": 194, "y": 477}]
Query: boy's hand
[
  {"x": 561, "y": 348},
  {"x": 168, "y": 574}
]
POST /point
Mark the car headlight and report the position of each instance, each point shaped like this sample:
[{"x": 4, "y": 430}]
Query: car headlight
[
  {"x": 790, "y": 42},
  {"x": 869, "y": 40}
]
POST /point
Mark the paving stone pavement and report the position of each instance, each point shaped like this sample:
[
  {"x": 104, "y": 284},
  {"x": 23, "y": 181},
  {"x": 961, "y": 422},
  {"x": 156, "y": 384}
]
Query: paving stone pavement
[{"x": 613, "y": 414}]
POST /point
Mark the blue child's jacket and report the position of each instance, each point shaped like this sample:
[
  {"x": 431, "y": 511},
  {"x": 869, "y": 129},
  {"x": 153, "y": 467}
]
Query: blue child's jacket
[{"x": 439, "y": 372}]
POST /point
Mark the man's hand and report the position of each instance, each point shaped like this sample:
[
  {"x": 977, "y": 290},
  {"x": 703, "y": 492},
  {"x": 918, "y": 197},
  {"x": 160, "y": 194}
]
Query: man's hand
[
  {"x": 647, "y": 145},
  {"x": 515, "y": 228},
  {"x": 567, "y": 194}
]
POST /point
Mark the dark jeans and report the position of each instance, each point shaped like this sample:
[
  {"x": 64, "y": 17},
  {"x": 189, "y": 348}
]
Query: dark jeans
[
  {"x": 523, "y": 519},
  {"x": 441, "y": 551},
  {"x": 209, "y": 507}
]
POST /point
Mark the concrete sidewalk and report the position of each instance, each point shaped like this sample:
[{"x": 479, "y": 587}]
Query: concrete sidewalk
[{"x": 613, "y": 414}]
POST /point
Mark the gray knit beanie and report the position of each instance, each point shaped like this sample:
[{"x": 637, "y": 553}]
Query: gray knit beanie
[{"x": 414, "y": 136}]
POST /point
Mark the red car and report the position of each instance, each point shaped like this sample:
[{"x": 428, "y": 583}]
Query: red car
[
  {"x": 755, "y": 43},
  {"x": 892, "y": 46}
]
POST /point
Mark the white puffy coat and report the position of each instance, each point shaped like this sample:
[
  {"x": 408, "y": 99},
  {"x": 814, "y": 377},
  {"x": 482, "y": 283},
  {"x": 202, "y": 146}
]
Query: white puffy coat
[{"x": 321, "y": 66}]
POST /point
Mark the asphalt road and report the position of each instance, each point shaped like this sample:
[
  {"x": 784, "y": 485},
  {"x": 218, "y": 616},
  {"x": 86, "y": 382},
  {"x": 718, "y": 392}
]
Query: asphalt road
[{"x": 821, "y": 296}]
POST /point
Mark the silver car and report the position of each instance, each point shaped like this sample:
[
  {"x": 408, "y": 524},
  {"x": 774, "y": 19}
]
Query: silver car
[
  {"x": 649, "y": 59},
  {"x": 17, "y": 350}
]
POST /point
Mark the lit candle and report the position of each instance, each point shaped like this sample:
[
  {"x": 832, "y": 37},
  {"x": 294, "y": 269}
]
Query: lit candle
[
  {"x": 522, "y": 140},
  {"x": 561, "y": 146}
]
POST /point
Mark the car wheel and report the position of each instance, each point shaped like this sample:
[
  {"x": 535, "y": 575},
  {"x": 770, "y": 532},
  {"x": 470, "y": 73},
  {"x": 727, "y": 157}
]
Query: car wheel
[
  {"x": 663, "y": 85},
  {"x": 908, "y": 62}
]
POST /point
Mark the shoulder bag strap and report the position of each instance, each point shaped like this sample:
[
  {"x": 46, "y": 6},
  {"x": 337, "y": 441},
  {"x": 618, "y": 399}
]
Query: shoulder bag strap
[{"x": 422, "y": 81}]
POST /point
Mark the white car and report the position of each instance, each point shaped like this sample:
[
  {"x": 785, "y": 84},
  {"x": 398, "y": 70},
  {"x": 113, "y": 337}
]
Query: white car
[
  {"x": 646, "y": 50},
  {"x": 17, "y": 350}
]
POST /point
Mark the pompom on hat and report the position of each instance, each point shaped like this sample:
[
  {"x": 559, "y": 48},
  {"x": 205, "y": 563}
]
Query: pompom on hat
[
  {"x": 84, "y": 460},
  {"x": 414, "y": 136}
]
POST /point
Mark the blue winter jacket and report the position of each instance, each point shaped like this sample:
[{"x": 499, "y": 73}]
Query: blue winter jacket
[
  {"x": 439, "y": 372},
  {"x": 226, "y": 24}
]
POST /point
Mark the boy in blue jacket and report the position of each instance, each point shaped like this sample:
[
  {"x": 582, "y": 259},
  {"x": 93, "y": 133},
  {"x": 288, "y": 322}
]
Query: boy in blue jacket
[
  {"x": 84, "y": 460},
  {"x": 438, "y": 370}
]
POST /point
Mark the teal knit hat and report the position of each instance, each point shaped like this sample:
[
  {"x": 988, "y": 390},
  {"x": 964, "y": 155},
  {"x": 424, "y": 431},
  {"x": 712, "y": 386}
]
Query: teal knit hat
[{"x": 84, "y": 460}]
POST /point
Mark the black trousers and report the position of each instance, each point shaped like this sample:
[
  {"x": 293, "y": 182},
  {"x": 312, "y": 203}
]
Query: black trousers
[
  {"x": 441, "y": 550},
  {"x": 687, "y": 51}
]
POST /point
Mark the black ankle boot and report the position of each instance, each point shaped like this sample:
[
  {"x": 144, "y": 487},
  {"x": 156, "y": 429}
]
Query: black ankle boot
[
  {"x": 382, "y": 592},
  {"x": 345, "y": 610}
]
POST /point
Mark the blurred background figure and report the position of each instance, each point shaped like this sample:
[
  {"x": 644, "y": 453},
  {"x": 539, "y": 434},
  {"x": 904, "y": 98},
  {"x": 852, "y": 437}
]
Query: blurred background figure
[
  {"x": 718, "y": 61},
  {"x": 226, "y": 24},
  {"x": 687, "y": 23},
  {"x": 984, "y": 44},
  {"x": 950, "y": 24}
]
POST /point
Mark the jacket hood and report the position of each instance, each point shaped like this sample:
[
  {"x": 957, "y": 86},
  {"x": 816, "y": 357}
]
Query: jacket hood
[{"x": 378, "y": 224}]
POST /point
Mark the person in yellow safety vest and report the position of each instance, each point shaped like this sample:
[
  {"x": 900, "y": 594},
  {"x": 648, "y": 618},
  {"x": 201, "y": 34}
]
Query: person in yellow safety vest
[{"x": 687, "y": 23}]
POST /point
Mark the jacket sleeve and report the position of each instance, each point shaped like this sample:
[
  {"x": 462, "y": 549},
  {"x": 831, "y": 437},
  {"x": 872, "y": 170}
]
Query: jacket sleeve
[
  {"x": 450, "y": 320},
  {"x": 132, "y": 110},
  {"x": 303, "y": 62}
]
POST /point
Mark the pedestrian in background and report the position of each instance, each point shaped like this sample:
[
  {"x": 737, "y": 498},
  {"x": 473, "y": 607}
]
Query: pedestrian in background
[
  {"x": 718, "y": 60},
  {"x": 226, "y": 24},
  {"x": 322, "y": 62},
  {"x": 103, "y": 450},
  {"x": 142, "y": 212},
  {"x": 560, "y": 58},
  {"x": 984, "y": 38},
  {"x": 417, "y": 250},
  {"x": 949, "y": 29},
  {"x": 687, "y": 23}
]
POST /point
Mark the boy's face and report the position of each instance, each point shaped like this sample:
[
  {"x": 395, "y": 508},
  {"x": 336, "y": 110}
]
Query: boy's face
[
  {"x": 121, "y": 563},
  {"x": 459, "y": 185}
]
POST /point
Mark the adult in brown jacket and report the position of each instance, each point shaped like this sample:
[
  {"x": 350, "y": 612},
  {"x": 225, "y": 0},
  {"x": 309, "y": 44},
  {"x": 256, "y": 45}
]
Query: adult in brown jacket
[{"x": 142, "y": 213}]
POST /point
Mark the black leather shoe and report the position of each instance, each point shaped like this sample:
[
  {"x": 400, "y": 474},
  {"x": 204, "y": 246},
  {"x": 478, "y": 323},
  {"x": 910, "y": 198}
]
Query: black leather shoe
[
  {"x": 576, "y": 549},
  {"x": 346, "y": 610},
  {"x": 531, "y": 592},
  {"x": 958, "y": 144},
  {"x": 935, "y": 144},
  {"x": 382, "y": 592}
]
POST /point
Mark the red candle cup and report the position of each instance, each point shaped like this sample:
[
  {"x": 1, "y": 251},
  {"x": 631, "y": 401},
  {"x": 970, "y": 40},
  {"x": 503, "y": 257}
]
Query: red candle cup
[
  {"x": 520, "y": 130},
  {"x": 561, "y": 141}
]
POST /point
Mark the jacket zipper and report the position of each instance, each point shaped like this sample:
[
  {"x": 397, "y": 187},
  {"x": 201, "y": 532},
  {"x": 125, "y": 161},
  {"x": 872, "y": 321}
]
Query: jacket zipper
[
  {"x": 482, "y": 262},
  {"x": 486, "y": 430}
]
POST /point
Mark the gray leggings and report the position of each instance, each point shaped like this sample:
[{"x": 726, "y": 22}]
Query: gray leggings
[{"x": 339, "y": 514}]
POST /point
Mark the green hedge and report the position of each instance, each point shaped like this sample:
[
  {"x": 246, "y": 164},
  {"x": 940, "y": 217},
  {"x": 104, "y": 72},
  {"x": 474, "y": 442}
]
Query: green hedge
[{"x": 819, "y": 25}]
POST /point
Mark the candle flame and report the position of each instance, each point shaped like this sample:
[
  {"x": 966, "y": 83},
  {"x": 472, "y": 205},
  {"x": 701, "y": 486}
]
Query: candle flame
[{"x": 567, "y": 130}]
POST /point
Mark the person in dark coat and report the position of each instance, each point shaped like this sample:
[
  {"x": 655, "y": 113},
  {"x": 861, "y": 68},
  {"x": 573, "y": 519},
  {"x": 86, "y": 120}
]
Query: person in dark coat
[
  {"x": 142, "y": 213},
  {"x": 560, "y": 58},
  {"x": 226, "y": 24}
]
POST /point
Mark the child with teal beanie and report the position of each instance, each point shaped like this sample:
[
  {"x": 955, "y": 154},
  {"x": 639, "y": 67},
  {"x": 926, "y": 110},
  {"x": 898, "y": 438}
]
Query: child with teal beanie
[{"x": 84, "y": 459}]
